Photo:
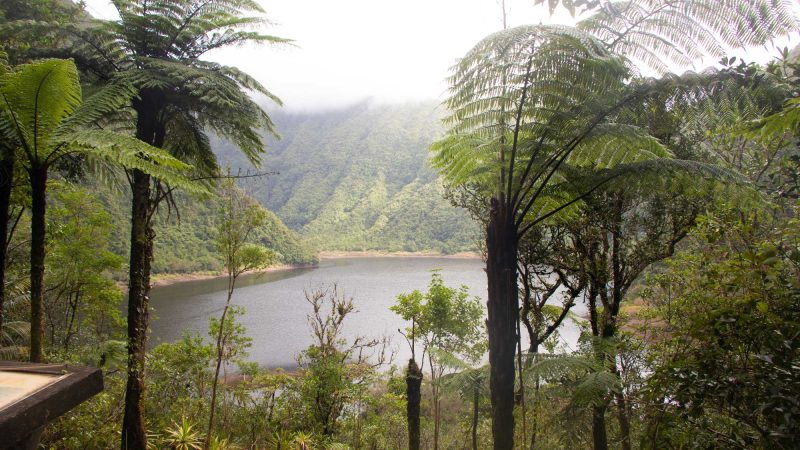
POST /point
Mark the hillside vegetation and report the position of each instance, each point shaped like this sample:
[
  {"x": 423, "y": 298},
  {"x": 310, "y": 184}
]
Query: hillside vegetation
[
  {"x": 358, "y": 179},
  {"x": 186, "y": 239}
]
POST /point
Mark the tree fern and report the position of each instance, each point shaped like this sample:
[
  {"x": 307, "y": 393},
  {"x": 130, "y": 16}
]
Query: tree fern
[
  {"x": 664, "y": 33},
  {"x": 156, "y": 48},
  {"x": 37, "y": 104}
]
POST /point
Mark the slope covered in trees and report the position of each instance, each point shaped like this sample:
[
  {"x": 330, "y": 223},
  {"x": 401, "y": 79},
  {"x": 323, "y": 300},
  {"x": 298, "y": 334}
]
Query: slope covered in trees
[
  {"x": 186, "y": 235},
  {"x": 357, "y": 179}
]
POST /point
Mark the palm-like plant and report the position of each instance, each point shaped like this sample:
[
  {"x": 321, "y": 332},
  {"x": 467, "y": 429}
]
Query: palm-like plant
[
  {"x": 183, "y": 436},
  {"x": 156, "y": 47},
  {"x": 523, "y": 100},
  {"x": 43, "y": 117},
  {"x": 470, "y": 384},
  {"x": 528, "y": 101}
]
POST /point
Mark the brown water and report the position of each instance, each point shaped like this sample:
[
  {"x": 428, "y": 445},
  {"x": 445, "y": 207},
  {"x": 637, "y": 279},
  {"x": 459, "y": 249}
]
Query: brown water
[{"x": 276, "y": 309}]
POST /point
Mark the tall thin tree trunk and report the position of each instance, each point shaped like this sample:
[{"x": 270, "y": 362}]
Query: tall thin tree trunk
[
  {"x": 38, "y": 178},
  {"x": 476, "y": 397},
  {"x": 501, "y": 273},
  {"x": 133, "y": 428},
  {"x": 436, "y": 402},
  {"x": 599, "y": 438},
  {"x": 521, "y": 385},
  {"x": 624, "y": 422},
  {"x": 413, "y": 395},
  {"x": 220, "y": 350},
  {"x": 535, "y": 418},
  {"x": 150, "y": 130},
  {"x": 6, "y": 183}
]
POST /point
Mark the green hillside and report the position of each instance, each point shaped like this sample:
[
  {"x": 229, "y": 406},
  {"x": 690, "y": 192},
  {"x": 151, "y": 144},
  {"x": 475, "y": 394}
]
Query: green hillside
[
  {"x": 357, "y": 179},
  {"x": 185, "y": 236}
]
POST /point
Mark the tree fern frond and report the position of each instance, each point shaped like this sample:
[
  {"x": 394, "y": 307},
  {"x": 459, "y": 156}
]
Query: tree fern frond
[
  {"x": 594, "y": 388},
  {"x": 556, "y": 366},
  {"x": 612, "y": 144},
  {"x": 682, "y": 31},
  {"x": 96, "y": 109},
  {"x": 135, "y": 154},
  {"x": 36, "y": 98},
  {"x": 187, "y": 142}
]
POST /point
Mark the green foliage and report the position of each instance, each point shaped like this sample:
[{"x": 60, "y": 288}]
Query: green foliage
[
  {"x": 82, "y": 301},
  {"x": 234, "y": 337},
  {"x": 239, "y": 218},
  {"x": 446, "y": 320},
  {"x": 357, "y": 179},
  {"x": 658, "y": 33},
  {"x": 729, "y": 319},
  {"x": 44, "y": 116},
  {"x": 336, "y": 373},
  {"x": 182, "y": 436},
  {"x": 187, "y": 235},
  {"x": 179, "y": 379}
]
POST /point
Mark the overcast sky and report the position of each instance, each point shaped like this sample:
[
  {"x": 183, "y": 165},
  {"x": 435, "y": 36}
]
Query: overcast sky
[{"x": 349, "y": 50}]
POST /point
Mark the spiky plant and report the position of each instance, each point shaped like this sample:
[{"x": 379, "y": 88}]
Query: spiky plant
[
  {"x": 14, "y": 338},
  {"x": 218, "y": 443},
  {"x": 157, "y": 46},
  {"x": 182, "y": 436},
  {"x": 303, "y": 441},
  {"x": 280, "y": 440}
]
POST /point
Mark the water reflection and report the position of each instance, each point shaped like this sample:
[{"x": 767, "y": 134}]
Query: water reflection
[{"x": 276, "y": 308}]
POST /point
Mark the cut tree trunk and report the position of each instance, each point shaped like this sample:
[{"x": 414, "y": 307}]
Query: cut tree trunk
[
  {"x": 38, "y": 178},
  {"x": 502, "y": 306},
  {"x": 413, "y": 394},
  {"x": 133, "y": 427}
]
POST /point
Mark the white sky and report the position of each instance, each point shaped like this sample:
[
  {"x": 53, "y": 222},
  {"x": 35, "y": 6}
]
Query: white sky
[{"x": 386, "y": 50}]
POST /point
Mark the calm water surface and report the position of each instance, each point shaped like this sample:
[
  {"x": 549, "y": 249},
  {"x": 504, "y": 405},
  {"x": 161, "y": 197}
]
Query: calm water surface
[{"x": 276, "y": 308}]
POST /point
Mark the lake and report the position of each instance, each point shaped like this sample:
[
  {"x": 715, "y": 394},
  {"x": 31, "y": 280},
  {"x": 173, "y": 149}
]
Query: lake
[{"x": 276, "y": 308}]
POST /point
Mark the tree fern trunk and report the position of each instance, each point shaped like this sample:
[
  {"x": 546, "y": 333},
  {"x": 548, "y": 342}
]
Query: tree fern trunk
[
  {"x": 133, "y": 430},
  {"x": 6, "y": 182},
  {"x": 599, "y": 438},
  {"x": 413, "y": 394},
  {"x": 38, "y": 176},
  {"x": 501, "y": 273}
]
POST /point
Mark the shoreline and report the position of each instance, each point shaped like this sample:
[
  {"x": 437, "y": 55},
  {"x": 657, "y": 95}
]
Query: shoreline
[
  {"x": 176, "y": 278},
  {"x": 380, "y": 254},
  {"x": 169, "y": 279}
]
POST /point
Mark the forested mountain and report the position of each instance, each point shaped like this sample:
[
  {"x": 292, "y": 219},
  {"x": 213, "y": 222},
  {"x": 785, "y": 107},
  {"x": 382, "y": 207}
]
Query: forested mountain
[
  {"x": 357, "y": 178},
  {"x": 186, "y": 234}
]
